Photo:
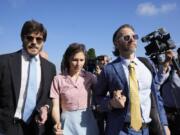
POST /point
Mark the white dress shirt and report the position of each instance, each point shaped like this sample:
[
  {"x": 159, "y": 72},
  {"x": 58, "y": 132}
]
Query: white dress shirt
[
  {"x": 24, "y": 76},
  {"x": 144, "y": 78}
]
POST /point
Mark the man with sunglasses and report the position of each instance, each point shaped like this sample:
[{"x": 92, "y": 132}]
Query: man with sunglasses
[
  {"x": 127, "y": 87},
  {"x": 24, "y": 109}
]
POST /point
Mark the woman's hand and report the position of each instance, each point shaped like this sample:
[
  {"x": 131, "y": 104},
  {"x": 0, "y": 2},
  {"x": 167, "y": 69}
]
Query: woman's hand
[{"x": 57, "y": 129}]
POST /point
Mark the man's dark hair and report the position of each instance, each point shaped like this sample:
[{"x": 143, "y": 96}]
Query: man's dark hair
[
  {"x": 116, "y": 36},
  {"x": 33, "y": 26},
  {"x": 101, "y": 57}
]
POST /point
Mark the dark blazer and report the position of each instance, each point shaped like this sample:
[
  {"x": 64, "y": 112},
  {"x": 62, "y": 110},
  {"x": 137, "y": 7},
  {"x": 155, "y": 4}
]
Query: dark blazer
[
  {"x": 10, "y": 82},
  {"x": 112, "y": 78}
]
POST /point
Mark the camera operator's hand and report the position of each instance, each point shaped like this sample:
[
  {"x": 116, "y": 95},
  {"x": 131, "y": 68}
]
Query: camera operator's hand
[
  {"x": 97, "y": 70},
  {"x": 118, "y": 100},
  {"x": 169, "y": 55}
]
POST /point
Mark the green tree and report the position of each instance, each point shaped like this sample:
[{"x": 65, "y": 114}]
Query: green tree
[
  {"x": 91, "y": 53},
  {"x": 91, "y": 60}
]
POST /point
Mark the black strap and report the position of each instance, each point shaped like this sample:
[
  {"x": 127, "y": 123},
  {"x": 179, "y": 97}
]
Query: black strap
[{"x": 155, "y": 127}]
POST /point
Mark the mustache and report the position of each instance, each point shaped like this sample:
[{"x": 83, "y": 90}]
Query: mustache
[{"x": 33, "y": 46}]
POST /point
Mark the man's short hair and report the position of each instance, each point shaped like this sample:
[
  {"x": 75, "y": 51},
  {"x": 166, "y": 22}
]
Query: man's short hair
[
  {"x": 115, "y": 35},
  {"x": 101, "y": 57},
  {"x": 33, "y": 26}
]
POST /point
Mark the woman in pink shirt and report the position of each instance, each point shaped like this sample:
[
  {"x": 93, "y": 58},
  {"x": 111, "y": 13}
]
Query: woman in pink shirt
[{"x": 71, "y": 93}]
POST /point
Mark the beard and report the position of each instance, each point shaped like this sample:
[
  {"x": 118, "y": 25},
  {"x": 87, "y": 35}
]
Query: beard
[{"x": 128, "y": 49}]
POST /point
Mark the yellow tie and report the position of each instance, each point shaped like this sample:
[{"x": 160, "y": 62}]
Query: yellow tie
[{"x": 136, "y": 121}]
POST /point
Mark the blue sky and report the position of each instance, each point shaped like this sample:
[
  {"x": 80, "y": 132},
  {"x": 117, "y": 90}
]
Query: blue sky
[{"x": 91, "y": 22}]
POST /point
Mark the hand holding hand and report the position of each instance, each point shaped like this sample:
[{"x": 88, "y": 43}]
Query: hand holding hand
[
  {"x": 57, "y": 129},
  {"x": 118, "y": 100},
  {"x": 42, "y": 116}
]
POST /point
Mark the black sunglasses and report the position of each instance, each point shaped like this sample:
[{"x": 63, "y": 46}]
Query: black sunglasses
[
  {"x": 127, "y": 38},
  {"x": 39, "y": 40}
]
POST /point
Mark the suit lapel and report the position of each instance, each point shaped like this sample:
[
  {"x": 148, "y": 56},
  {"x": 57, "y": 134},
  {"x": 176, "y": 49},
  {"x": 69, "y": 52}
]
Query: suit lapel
[
  {"x": 15, "y": 68},
  {"x": 43, "y": 76},
  {"x": 120, "y": 71}
]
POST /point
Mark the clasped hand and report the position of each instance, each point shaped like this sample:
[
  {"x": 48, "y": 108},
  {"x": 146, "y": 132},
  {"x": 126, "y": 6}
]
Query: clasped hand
[
  {"x": 42, "y": 116},
  {"x": 118, "y": 100},
  {"x": 57, "y": 129}
]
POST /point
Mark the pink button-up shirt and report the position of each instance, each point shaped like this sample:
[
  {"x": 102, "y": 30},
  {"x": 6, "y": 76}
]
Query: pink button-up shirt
[{"x": 73, "y": 95}]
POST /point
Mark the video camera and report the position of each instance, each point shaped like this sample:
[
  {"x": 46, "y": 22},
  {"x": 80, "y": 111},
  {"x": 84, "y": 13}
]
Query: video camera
[{"x": 159, "y": 42}]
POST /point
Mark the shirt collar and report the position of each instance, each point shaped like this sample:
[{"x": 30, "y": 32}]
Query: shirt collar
[
  {"x": 82, "y": 73},
  {"x": 26, "y": 56},
  {"x": 126, "y": 62}
]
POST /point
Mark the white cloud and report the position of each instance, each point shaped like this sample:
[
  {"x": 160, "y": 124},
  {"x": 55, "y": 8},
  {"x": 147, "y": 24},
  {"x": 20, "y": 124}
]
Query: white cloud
[
  {"x": 168, "y": 7},
  {"x": 149, "y": 9}
]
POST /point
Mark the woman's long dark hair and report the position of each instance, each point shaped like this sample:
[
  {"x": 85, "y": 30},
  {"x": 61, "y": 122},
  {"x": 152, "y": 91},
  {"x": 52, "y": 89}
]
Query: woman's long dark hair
[{"x": 71, "y": 51}]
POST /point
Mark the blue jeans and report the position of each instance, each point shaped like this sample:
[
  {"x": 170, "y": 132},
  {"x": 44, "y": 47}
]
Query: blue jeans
[{"x": 130, "y": 131}]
